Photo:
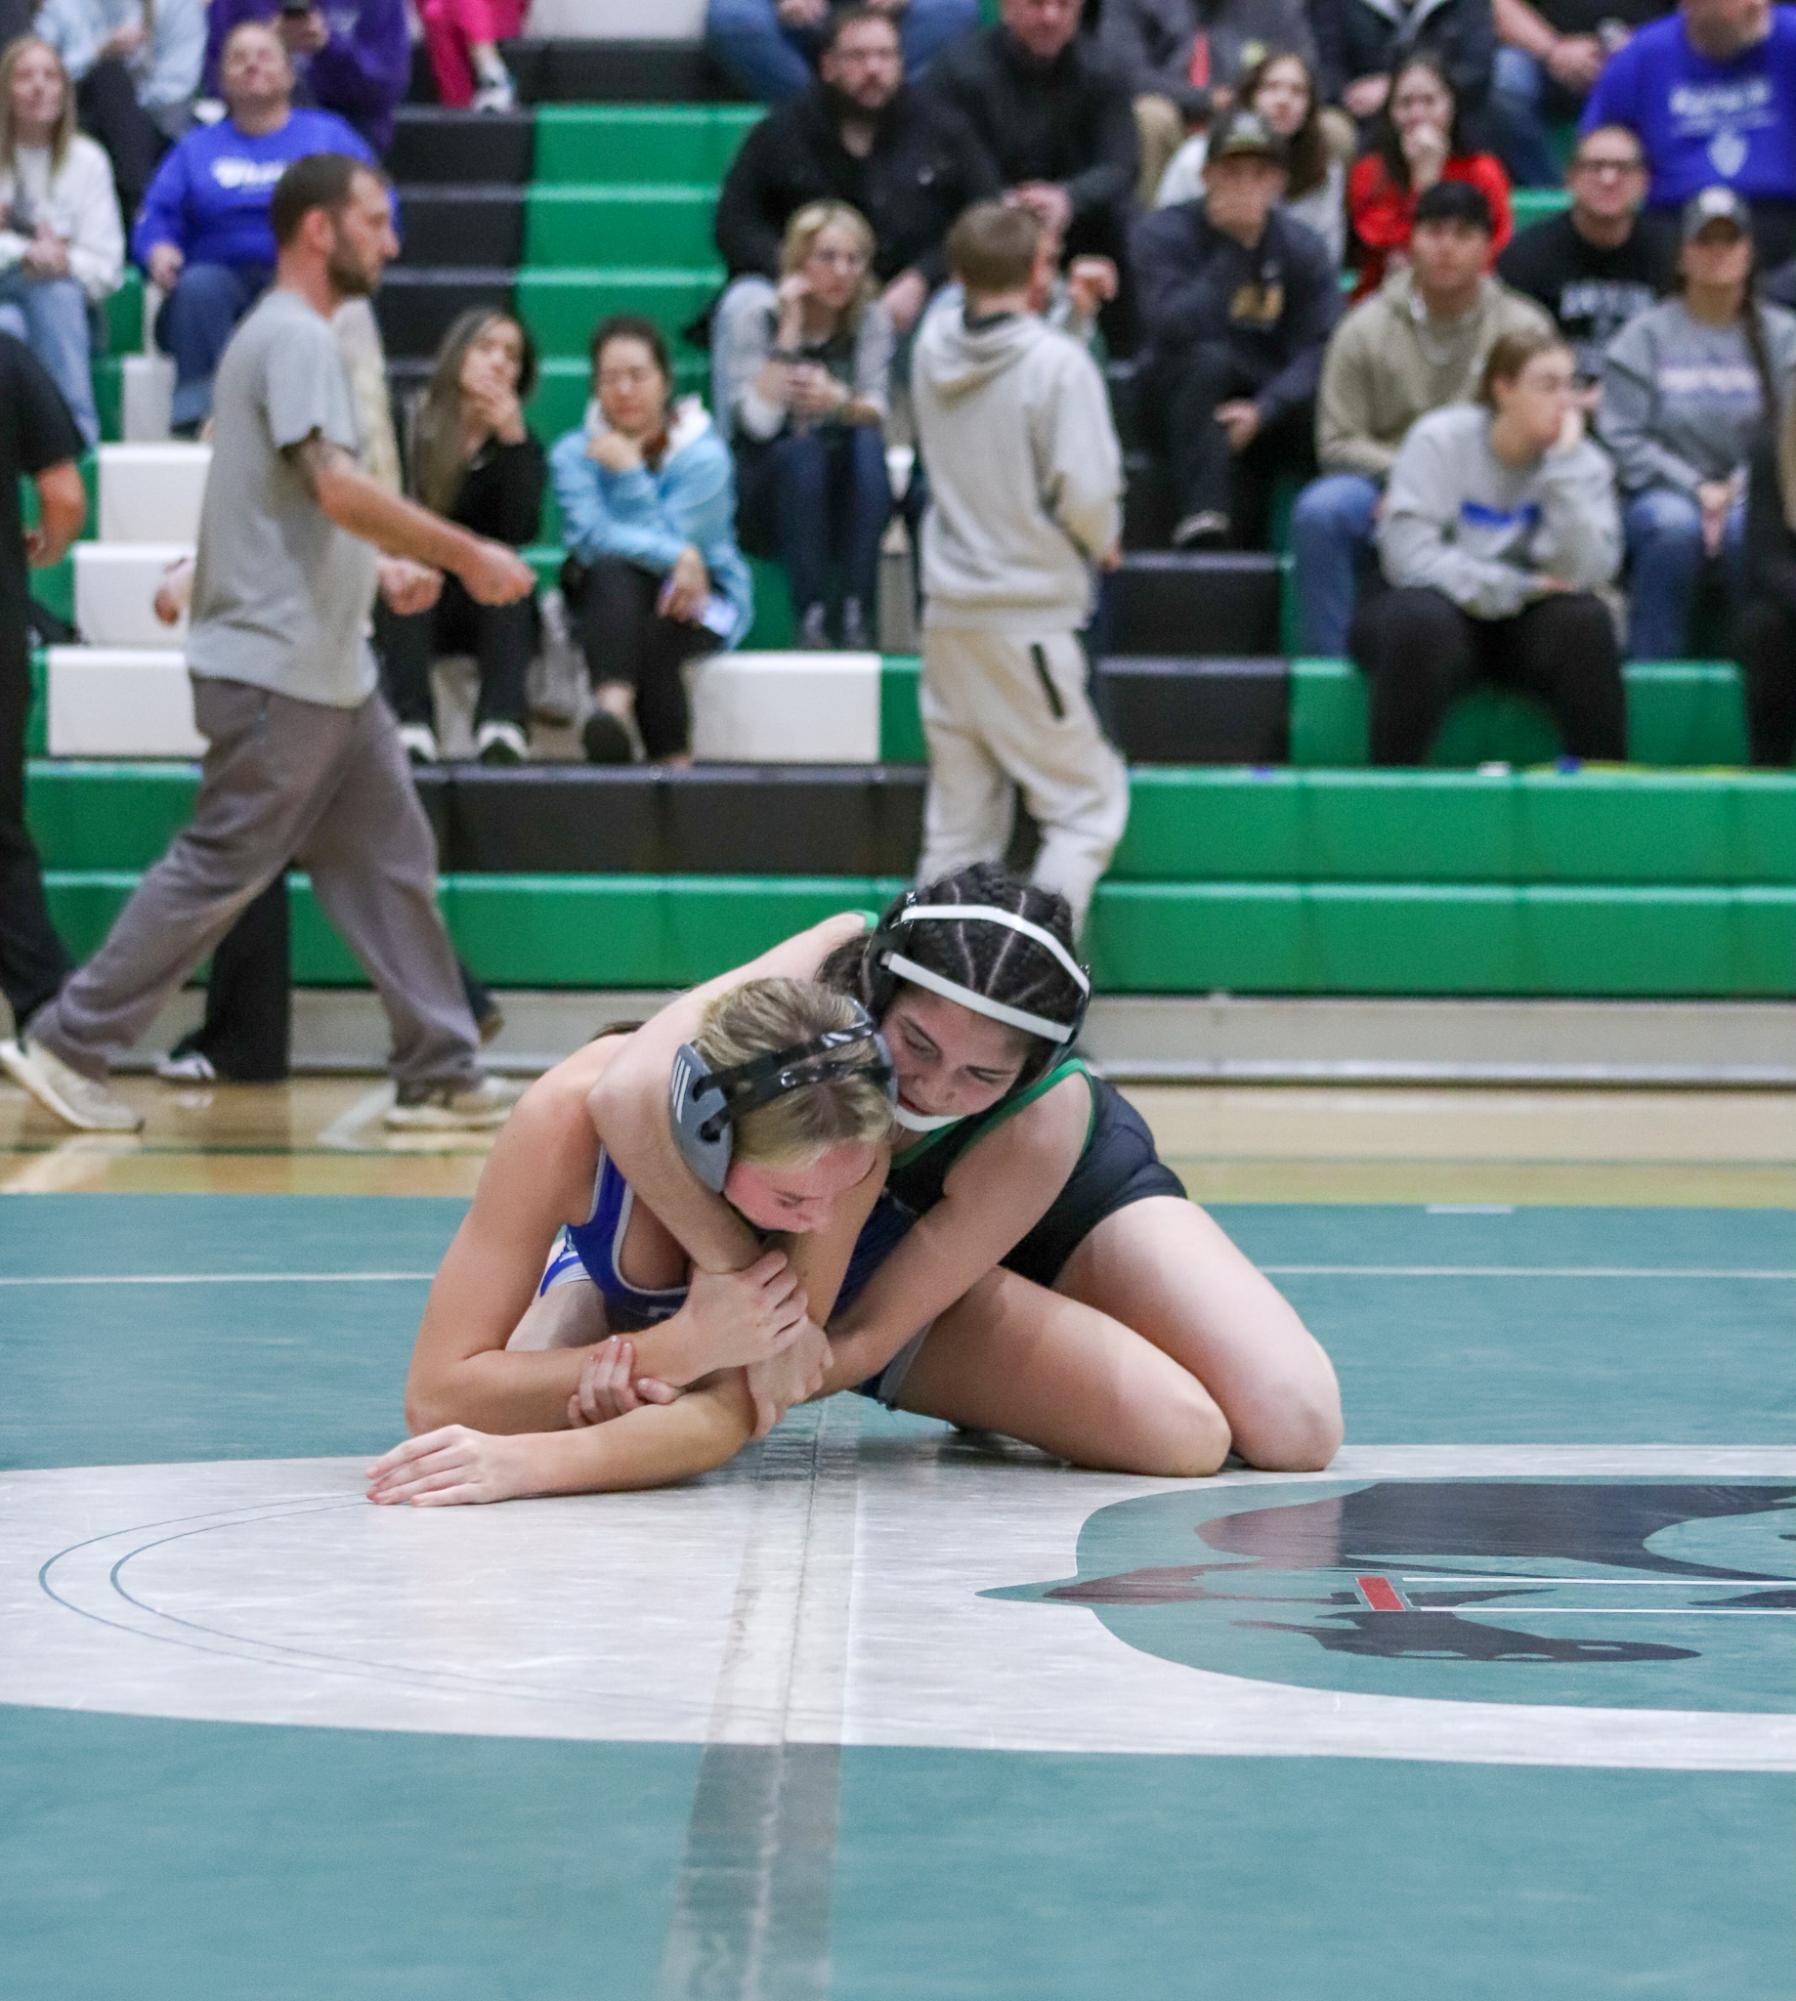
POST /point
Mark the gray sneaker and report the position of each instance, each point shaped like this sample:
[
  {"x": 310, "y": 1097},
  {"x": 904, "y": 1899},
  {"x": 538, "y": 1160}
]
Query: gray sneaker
[
  {"x": 451, "y": 1107},
  {"x": 64, "y": 1093}
]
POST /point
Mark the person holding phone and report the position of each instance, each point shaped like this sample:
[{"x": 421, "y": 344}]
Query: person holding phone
[
  {"x": 653, "y": 577},
  {"x": 353, "y": 57}
]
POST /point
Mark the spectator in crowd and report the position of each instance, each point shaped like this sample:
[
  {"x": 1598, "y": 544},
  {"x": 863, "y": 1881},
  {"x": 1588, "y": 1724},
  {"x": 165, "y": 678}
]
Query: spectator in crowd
[
  {"x": 1549, "y": 54},
  {"x": 1282, "y": 89},
  {"x": 1686, "y": 388},
  {"x": 136, "y": 70},
  {"x": 1711, "y": 90},
  {"x": 462, "y": 39},
  {"x": 1054, "y": 114},
  {"x": 1600, "y": 261},
  {"x": 1418, "y": 143},
  {"x": 769, "y": 48},
  {"x": 353, "y": 57},
  {"x": 1186, "y": 60},
  {"x": 62, "y": 247},
  {"x": 473, "y": 460},
  {"x": 1362, "y": 43},
  {"x": 654, "y": 577},
  {"x": 1766, "y": 629},
  {"x": 1237, "y": 303},
  {"x": 204, "y": 234},
  {"x": 303, "y": 756},
  {"x": 1420, "y": 342},
  {"x": 1025, "y": 502},
  {"x": 904, "y": 160},
  {"x": 39, "y": 444},
  {"x": 1498, "y": 535},
  {"x": 805, "y": 389}
]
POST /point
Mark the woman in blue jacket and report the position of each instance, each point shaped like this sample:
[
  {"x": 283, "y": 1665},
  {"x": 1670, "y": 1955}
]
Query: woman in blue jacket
[{"x": 653, "y": 576}]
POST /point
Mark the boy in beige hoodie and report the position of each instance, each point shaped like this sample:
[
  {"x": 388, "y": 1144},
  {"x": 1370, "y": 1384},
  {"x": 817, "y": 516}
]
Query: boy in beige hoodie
[{"x": 1025, "y": 480}]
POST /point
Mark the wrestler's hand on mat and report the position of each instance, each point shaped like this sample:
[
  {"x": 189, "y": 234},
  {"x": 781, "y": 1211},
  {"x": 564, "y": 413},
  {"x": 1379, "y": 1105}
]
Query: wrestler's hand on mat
[
  {"x": 445, "y": 1468},
  {"x": 737, "y": 1318},
  {"x": 793, "y": 1376},
  {"x": 609, "y": 1385}
]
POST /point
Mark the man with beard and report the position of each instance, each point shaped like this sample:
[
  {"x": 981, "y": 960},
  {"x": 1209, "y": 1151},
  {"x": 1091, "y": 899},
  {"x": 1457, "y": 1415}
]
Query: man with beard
[
  {"x": 908, "y": 164},
  {"x": 303, "y": 757}
]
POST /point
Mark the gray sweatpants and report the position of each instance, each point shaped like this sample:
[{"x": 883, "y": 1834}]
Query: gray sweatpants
[
  {"x": 284, "y": 781},
  {"x": 1004, "y": 714}
]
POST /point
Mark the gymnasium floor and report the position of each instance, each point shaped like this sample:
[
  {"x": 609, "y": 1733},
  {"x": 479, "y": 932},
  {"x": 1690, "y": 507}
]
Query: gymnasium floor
[{"x": 1496, "y": 1707}]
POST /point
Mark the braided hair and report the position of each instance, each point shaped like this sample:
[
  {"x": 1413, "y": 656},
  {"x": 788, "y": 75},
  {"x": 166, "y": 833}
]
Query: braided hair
[{"x": 987, "y": 959}]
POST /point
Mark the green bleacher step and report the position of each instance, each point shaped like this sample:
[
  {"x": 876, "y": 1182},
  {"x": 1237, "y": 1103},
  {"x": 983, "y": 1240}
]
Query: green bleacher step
[
  {"x": 121, "y": 317},
  {"x": 563, "y": 307},
  {"x": 579, "y": 144},
  {"x": 1212, "y": 824},
  {"x": 609, "y": 931},
  {"x": 572, "y": 227},
  {"x": 1680, "y": 712}
]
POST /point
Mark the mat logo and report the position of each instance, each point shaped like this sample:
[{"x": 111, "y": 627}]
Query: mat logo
[{"x": 1620, "y": 1593}]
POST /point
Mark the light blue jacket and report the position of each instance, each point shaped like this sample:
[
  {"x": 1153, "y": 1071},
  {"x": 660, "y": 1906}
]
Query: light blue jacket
[
  {"x": 649, "y": 517},
  {"x": 166, "y": 70}
]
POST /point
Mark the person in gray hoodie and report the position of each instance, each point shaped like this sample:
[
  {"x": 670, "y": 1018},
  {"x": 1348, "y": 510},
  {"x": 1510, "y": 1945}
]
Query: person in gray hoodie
[
  {"x": 1025, "y": 480},
  {"x": 1498, "y": 536}
]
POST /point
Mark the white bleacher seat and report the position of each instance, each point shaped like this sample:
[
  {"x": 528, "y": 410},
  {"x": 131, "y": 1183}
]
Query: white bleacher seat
[
  {"x": 786, "y": 708},
  {"x": 115, "y": 584},
  {"x": 114, "y": 701},
  {"x": 149, "y": 387},
  {"x": 151, "y": 493},
  {"x": 617, "y": 21}
]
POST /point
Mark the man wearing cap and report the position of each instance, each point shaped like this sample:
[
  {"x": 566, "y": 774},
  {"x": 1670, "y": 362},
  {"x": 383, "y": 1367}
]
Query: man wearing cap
[
  {"x": 1711, "y": 90},
  {"x": 1688, "y": 387},
  {"x": 1237, "y": 303},
  {"x": 1418, "y": 343}
]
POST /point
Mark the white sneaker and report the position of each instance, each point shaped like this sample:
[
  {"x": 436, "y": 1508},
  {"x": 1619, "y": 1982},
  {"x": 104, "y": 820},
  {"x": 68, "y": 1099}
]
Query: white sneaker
[
  {"x": 498, "y": 93},
  {"x": 451, "y": 1107},
  {"x": 501, "y": 743},
  {"x": 64, "y": 1093},
  {"x": 420, "y": 742},
  {"x": 193, "y": 1068}
]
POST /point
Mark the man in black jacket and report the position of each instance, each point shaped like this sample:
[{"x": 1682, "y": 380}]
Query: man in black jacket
[
  {"x": 907, "y": 162},
  {"x": 1055, "y": 114},
  {"x": 1237, "y": 303}
]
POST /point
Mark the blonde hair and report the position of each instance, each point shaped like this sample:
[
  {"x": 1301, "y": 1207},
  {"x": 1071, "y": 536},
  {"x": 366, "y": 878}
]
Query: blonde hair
[
  {"x": 801, "y": 237},
  {"x": 763, "y": 1016},
  {"x": 63, "y": 136},
  {"x": 1510, "y": 353}
]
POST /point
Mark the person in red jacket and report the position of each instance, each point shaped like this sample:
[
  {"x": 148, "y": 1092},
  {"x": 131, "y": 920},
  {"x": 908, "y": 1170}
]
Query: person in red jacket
[{"x": 1418, "y": 143}]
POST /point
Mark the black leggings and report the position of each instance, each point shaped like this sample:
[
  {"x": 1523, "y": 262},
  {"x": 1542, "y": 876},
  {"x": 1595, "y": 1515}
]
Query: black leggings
[
  {"x": 615, "y": 610},
  {"x": 1766, "y": 637},
  {"x": 33, "y": 963},
  {"x": 501, "y": 638},
  {"x": 1420, "y": 653}
]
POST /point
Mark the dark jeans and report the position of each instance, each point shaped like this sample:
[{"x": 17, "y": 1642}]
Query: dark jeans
[
  {"x": 195, "y": 325},
  {"x": 613, "y": 606},
  {"x": 818, "y": 500},
  {"x": 1766, "y": 637},
  {"x": 1206, "y": 475},
  {"x": 106, "y": 99},
  {"x": 33, "y": 962},
  {"x": 247, "y": 1034},
  {"x": 1420, "y": 653},
  {"x": 501, "y": 638}
]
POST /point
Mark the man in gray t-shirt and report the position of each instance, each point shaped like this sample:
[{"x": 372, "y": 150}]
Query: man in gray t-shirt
[
  {"x": 281, "y": 594},
  {"x": 303, "y": 758}
]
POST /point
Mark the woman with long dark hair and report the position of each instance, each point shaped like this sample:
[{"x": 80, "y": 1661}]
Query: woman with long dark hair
[
  {"x": 1281, "y": 87},
  {"x": 1418, "y": 141},
  {"x": 654, "y": 576},
  {"x": 473, "y": 459},
  {"x": 1688, "y": 386}
]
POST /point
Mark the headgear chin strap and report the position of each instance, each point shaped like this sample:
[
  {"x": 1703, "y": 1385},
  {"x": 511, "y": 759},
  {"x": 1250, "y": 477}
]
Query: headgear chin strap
[
  {"x": 704, "y": 1104},
  {"x": 924, "y": 1122},
  {"x": 890, "y": 964}
]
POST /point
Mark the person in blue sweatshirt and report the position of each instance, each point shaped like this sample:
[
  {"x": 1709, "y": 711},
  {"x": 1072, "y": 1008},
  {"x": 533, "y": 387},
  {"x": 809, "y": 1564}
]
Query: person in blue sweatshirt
[
  {"x": 647, "y": 492},
  {"x": 1711, "y": 92},
  {"x": 353, "y": 57},
  {"x": 204, "y": 234}
]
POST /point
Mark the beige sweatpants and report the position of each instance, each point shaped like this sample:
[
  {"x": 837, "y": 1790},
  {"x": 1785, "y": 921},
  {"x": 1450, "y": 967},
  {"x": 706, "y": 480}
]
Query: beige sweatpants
[{"x": 1004, "y": 714}]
